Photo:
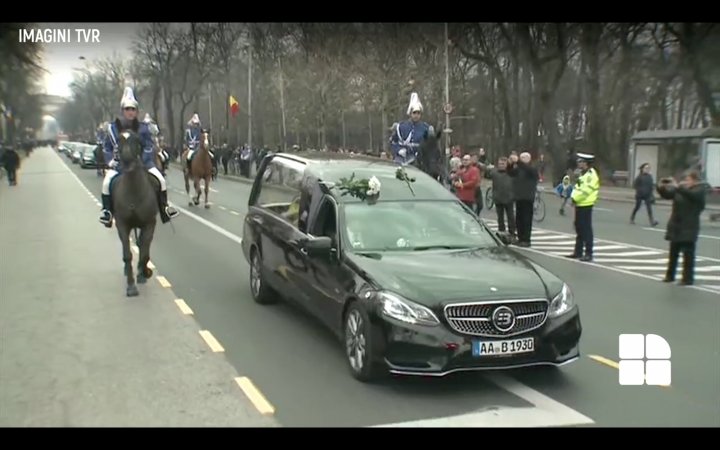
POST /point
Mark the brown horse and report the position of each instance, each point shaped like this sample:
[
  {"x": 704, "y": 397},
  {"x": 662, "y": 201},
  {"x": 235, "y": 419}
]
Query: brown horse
[{"x": 199, "y": 169}]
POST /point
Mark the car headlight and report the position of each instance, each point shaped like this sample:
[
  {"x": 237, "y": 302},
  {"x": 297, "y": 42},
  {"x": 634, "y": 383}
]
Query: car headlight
[
  {"x": 398, "y": 308},
  {"x": 562, "y": 303}
]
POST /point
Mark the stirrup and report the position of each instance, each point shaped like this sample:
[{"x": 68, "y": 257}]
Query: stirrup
[{"x": 171, "y": 212}]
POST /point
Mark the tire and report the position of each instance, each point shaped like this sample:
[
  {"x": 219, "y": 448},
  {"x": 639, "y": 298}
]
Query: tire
[
  {"x": 539, "y": 209},
  {"x": 261, "y": 293},
  {"x": 489, "y": 202},
  {"x": 359, "y": 333}
]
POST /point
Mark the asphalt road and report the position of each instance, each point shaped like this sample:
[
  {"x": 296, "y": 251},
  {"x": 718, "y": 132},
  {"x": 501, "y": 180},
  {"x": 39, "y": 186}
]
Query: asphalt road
[
  {"x": 300, "y": 368},
  {"x": 75, "y": 352}
]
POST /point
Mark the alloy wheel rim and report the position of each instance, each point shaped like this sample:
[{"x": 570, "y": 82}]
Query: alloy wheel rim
[
  {"x": 255, "y": 282},
  {"x": 355, "y": 341}
]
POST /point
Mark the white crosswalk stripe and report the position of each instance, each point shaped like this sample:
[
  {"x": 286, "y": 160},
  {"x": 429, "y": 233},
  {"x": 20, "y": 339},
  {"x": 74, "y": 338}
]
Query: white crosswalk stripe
[{"x": 628, "y": 258}]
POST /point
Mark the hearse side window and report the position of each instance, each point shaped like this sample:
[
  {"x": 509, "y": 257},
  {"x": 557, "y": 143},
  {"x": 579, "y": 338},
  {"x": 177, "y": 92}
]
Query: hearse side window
[{"x": 280, "y": 189}]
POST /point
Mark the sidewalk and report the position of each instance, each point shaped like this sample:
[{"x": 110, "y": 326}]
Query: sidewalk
[{"x": 74, "y": 351}]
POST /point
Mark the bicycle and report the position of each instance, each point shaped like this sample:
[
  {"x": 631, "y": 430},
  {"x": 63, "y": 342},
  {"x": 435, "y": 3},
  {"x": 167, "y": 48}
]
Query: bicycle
[
  {"x": 539, "y": 206},
  {"x": 489, "y": 202}
]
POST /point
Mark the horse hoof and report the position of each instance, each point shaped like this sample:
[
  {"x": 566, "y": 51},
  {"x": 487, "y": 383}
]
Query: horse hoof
[
  {"x": 132, "y": 291},
  {"x": 147, "y": 272},
  {"x": 197, "y": 202},
  {"x": 207, "y": 205},
  {"x": 190, "y": 203}
]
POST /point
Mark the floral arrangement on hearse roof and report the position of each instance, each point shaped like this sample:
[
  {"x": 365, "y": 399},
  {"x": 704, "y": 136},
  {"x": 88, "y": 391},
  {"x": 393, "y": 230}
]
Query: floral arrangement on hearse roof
[{"x": 368, "y": 189}]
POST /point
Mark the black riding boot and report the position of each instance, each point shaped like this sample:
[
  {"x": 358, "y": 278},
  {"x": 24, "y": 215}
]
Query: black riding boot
[
  {"x": 106, "y": 217},
  {"x": 166, "y": 212}
]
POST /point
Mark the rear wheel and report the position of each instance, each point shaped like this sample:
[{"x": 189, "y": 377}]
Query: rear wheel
[
  {"x": 360, "y": 344},
  {"x": 261, "y": 293},
  {"x": 539, "y": 209}
]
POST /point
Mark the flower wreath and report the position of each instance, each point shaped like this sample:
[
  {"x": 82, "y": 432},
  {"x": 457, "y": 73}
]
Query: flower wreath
[{"x": 362, "y": 189}]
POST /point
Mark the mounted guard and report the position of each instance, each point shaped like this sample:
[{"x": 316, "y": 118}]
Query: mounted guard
[
  {"x": 129, "y": 107},
  {"x": 192, "y": 137},
  {"x": 408, "y": 135},
  {"x": 160, "y": 155}
]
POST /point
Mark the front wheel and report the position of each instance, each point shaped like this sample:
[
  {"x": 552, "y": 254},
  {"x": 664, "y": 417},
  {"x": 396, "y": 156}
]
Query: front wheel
[
  {"x": 489, "y": 201},
  {"x": 360, "y": 344},
  {"x": 261, "y": 292}
]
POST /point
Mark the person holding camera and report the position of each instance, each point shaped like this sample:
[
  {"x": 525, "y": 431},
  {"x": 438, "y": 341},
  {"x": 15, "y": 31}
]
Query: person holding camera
[{"x": 683, "y": 228}]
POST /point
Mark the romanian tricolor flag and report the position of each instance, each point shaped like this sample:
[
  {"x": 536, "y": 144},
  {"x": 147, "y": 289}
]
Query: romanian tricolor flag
[{"x": 234, "y": 106}]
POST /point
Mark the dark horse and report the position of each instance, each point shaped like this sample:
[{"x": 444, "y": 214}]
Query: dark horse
[
  {"x": 432, "y": 159},
  {"x": 135, "y": 204}
]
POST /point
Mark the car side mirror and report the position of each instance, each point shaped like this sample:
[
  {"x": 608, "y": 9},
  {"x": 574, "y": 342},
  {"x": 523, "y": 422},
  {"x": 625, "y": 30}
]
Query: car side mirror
[
  {"x": 318, "y": 246},
  {"x": 504, "y": 237}
]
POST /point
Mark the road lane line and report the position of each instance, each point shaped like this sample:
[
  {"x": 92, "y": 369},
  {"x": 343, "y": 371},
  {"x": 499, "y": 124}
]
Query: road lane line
[
  {"x": 222, "y": 208},
  {"x": 214, "y": 190},
  {"x": 210, "y": 225},
  {"x": 704, "y": 236},
  {"x": 707, "y": 277},
  {"x": 611, "y": 268},
  {"x": 610, "y": 363},
  {"x": 184, "y": 308},
  {"x": 549, "y": 237},
  {"x": 638, "y": 253},
  {"x": 163, "y": 281},
  {"x": 662, "y": 261},
  {"x": 256, "y": 397},
  {"x": 546, "y": 412},
  {"x": 234, "y": 213},
  {"x": 211, "y": 341}
]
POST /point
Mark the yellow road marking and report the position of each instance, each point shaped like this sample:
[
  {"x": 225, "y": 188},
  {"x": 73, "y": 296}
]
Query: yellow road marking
[
  {"x": 255, "y": 396},
  {"x": 150, "y": 265},
  {"x": 235, "y": 213},
  {"x": 211, "y": 341},
  {"x": 603, "y": 360},
  {"x": 184, "y": 308},
  {"x": 163, "y": 281},
  {"x": 611, "y": 363}
]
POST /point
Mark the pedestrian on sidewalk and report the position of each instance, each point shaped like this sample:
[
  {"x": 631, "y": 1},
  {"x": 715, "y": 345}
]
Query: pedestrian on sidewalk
[
  {"x": 465, "y": 181},
  {"x": 644, "y": 186},
  {"x": 525, "y": 182},
  {"x": 503, "y": 198},
  {"x": 683, "y": 228},
  {"x": 11, "y": 162},
  {"x": 584, "y": 196}
]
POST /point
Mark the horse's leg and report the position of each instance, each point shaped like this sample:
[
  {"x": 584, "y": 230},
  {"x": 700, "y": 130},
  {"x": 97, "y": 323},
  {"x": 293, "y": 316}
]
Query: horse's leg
[
  {"x": 207, "y": 189},
  {"x": 146, "y": 236},
  {"x": 196, "y": 183},
  {"x": 124, "y": 234}
]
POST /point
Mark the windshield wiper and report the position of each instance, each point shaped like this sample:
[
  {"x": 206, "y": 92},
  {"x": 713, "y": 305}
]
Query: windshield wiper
[{"x": 439, "y": 247}]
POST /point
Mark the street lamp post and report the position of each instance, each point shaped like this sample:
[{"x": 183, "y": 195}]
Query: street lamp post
[
  {"x": 447, "y": 86},
  {"x": 716, "y": 100}
]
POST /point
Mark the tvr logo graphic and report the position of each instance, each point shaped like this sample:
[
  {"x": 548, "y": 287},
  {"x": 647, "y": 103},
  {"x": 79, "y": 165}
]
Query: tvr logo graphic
[{"x": 644, "y": 359}]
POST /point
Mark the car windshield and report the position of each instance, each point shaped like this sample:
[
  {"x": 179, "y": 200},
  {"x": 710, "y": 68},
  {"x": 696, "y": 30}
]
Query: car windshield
[{"x": 413, "y": 226}]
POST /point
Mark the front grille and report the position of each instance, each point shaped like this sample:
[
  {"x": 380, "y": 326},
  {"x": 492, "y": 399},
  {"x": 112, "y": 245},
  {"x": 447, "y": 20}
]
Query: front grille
[{"x": 476, "y": 318}]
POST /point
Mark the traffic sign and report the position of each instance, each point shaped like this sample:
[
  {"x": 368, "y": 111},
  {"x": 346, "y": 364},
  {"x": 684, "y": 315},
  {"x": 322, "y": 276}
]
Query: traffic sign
[{"x": 448, "y": 108}]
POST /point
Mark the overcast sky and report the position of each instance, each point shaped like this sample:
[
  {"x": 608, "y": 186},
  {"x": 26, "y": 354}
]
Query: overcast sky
[{"x": 60, "y": 58}]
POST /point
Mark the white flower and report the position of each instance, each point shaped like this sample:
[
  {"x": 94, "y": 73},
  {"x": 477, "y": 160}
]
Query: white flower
[{"x": 373, "y": 186}]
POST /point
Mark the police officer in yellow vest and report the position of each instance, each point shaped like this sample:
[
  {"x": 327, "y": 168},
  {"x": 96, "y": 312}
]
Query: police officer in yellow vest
[{"x": 584, "y": 197}]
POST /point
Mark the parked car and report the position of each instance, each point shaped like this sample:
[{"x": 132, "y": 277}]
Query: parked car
[
  {"x": 412, "y": 282},
  {"x": 88, "y": 159}
]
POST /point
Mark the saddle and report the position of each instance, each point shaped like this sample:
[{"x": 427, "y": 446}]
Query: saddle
[{"x": 154, "y": 181}]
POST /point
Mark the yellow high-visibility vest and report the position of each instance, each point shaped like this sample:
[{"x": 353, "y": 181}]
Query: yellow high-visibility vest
[{"x": 587, "y": 189}]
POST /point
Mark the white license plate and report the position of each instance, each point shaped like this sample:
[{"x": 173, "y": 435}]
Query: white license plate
[{"x": 509, "y": 347}]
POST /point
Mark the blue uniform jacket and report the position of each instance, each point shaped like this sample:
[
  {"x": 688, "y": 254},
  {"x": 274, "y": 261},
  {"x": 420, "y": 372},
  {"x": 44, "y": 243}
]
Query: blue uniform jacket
[
  {"x": 110, "y": 148},
  {"x": 408, "y": 135},
  {"x": 192, "y": 137}
]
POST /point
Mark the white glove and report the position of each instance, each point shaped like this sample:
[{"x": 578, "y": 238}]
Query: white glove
[
  {"x": 402, "y": 152},
  {"x": 113, "y": 164}
]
